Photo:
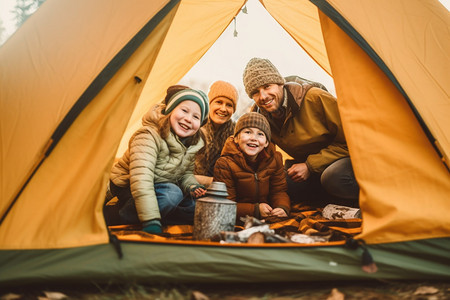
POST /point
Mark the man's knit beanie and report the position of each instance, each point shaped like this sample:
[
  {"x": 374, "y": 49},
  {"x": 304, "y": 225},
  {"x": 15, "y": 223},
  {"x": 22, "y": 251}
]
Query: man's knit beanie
[
  {"x": 259, "y": 72},
  {"x": 253, "y": 120},
  {"x": 184, "y": 94},
  {"x": 223, "y": 89}
]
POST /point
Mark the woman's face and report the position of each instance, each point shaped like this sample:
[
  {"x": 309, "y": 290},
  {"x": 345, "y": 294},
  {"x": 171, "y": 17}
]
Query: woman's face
[
  {"x": 251, "y": 141},
  {"x": 221, "y": 110},
  {"x": 185, "y": 118}
]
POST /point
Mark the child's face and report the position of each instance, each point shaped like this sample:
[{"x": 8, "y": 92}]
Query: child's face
[
  {"x": 221, "y": 110},
  {"x": 185, "y": 118},
  {"x": 251, "y": 141}
]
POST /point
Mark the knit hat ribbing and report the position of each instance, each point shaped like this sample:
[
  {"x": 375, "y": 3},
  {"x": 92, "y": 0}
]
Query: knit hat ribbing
[
  {"x": 259, "y": 72},
  {"x": 223, "y": 89},
  {"x": 254, "y": 120},
  {"x": 197, "y": 96}
]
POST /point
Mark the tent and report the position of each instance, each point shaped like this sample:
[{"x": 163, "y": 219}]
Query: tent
[{"x": 78, "y": 75}]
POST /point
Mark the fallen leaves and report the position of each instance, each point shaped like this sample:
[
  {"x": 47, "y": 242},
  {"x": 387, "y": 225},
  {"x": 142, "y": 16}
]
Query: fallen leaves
[
  {"x": 196, "y": 295},
  {"x": 48, "y": 296},
  {"x": 10, "y": 296},
  {"x": 426, "y": 290},
  {"x": 336, "y": 295}
]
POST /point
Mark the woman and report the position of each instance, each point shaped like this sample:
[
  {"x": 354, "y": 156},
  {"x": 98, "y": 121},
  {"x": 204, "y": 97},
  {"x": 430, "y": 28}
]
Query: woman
[{"x": 223, "y": 98}]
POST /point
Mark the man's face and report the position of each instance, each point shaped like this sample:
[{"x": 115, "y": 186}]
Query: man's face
[{"x": 269, "y": 97}]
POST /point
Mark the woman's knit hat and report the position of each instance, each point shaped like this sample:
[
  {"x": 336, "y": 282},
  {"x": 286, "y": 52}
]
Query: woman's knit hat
[
  {"x": 258, "y": 72},
  {"x": 255, "y": 120},
  {"x": 183, "y": 94},
  {"x": 223, "y": 89}
]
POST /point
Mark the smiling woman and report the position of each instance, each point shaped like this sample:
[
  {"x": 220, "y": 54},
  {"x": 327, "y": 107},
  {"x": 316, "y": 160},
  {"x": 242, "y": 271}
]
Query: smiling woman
[{"x": 223, "y": 99}]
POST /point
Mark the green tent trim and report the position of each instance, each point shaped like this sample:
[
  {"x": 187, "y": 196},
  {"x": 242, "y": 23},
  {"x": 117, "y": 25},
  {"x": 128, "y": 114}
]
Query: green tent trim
[{"x": 190, "y": 263}]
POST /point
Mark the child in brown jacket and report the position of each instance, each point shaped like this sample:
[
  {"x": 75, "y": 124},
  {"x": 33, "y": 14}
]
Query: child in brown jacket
[{"x": 253, "y": 171}]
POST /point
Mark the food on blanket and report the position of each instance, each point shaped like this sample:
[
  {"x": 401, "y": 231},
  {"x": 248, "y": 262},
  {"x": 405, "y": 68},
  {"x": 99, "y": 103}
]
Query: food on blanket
[{"x": 333, "y": 212}]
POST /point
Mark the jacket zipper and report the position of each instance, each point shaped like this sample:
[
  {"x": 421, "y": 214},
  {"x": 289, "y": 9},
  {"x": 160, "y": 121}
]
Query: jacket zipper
[{"x": 257, "y": 188}]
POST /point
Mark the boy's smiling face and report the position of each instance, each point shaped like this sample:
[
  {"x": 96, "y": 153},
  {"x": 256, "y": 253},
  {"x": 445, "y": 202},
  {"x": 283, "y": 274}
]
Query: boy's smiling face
[{"x": 251, "y": 141}]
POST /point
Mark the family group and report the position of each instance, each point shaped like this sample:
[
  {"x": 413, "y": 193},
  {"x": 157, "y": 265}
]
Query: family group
[{"x": 189, "y": 140}]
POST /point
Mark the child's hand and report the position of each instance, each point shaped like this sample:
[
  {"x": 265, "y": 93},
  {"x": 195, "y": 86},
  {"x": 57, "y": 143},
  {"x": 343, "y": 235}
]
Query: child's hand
[
  {"x": 279, "y": 212},
  {"x": 265, "y": 210},
  {"x": 197, "y": 190}
]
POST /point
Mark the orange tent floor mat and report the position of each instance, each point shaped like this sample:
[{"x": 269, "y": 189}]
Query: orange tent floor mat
[{"x": 303, "y": 220}]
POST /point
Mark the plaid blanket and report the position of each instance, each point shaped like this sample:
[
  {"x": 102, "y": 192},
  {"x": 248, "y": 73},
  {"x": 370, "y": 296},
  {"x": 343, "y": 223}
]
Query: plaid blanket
[{"x": 304, "y": 220}]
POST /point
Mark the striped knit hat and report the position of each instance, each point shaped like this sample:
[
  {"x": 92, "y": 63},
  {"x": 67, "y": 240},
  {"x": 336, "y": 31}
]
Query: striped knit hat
[
  {"x": 197, "y": 96},
  {"x": 254, "y": 120},
  {"x": 259, "y": 72}
]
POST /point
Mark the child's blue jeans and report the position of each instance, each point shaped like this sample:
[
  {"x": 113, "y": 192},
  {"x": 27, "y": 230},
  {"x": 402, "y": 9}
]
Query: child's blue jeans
[{"x": 174, "y": 207}]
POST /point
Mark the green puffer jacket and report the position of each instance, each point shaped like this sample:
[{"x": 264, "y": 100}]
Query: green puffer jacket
[
  {"x": 151, "y": 159},
  {"x": 312, "y": 131}
]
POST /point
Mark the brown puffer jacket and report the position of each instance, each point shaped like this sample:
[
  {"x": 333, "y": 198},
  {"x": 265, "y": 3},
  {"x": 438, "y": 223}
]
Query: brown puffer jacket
[{"x": 247, "y": 187}]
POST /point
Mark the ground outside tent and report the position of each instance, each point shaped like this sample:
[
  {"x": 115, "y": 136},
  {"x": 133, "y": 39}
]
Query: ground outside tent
[{"x": 287, "y": 291}]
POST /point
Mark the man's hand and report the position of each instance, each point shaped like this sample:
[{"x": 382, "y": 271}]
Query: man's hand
[{"x": 298, "y": 172}]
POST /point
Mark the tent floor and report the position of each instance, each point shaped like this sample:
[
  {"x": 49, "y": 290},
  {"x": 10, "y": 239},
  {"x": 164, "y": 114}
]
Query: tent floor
[{"x": 304, "y": 222}]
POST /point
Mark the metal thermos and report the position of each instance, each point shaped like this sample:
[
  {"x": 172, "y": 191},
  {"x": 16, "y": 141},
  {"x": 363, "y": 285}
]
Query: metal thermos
[{"x": 214, "y": 213}]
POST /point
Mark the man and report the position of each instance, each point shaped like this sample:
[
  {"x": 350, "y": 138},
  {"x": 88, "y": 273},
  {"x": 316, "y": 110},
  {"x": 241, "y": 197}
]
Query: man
[{"x": 305, "y": 123}]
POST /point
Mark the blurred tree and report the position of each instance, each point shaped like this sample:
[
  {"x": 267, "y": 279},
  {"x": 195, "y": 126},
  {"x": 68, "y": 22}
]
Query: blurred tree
[
  {"x": 2, "y": 31},
  {"x": 24, "y": 9}
]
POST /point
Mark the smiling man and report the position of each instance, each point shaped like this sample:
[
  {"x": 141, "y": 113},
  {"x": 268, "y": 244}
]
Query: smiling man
[{"x": 305, "y": 123}]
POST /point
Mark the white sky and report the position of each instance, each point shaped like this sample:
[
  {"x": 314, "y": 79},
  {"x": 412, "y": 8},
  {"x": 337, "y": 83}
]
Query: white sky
[
  {"x": 259, "y": 35},
  {"x": 6, "y": 16}
]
